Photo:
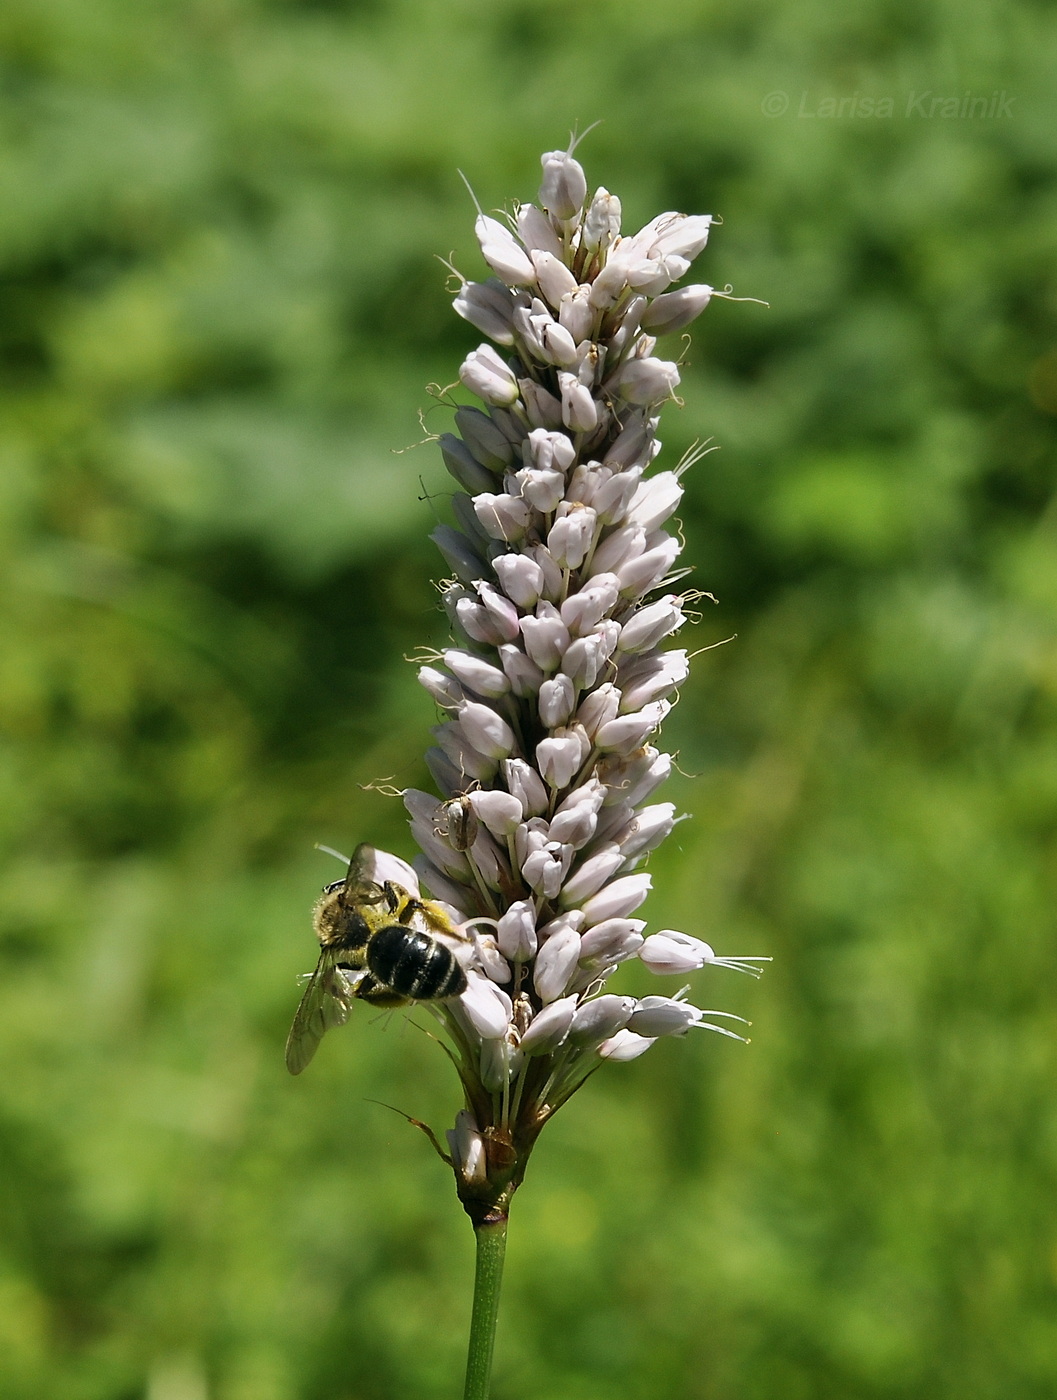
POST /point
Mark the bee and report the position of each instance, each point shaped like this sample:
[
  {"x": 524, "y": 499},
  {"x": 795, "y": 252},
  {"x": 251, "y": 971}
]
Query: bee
[{"x": 371, "y": 949}]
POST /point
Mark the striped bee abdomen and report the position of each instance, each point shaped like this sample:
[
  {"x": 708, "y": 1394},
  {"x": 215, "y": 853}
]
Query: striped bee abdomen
[{"x": 415, "y": 965}]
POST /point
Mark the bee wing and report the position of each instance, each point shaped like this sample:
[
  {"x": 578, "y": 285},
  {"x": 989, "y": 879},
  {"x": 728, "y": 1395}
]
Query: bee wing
[
  {"x": 358, "y": 888},
  {"x": 326, "y": 1002}
]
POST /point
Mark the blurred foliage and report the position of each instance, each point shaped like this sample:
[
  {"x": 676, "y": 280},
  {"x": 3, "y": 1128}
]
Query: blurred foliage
[{"x": 220, "y": 312}]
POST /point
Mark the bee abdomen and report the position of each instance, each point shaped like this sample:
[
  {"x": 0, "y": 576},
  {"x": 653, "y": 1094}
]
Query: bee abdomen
[{"x": 415, "y": 965}]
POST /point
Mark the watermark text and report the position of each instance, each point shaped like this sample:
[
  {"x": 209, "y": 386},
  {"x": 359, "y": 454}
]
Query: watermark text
[{"x": 926, "y": 104}]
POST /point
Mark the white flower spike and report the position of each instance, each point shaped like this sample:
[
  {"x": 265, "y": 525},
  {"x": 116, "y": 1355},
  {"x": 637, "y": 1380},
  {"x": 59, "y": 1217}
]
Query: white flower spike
[{"x": 552, "y": 691}]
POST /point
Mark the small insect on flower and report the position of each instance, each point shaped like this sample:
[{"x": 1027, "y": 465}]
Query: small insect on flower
[
  {"x": 374, "y": 946},
  {"x": 459, "y": 826}
]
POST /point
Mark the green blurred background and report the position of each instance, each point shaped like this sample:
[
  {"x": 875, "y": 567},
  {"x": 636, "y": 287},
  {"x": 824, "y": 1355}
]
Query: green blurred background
[{"x": 218, "y": 221}]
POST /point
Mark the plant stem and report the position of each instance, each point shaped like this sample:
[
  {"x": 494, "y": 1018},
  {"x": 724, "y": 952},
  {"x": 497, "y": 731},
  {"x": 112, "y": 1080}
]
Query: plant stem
[{"x": 491, "y": 1249}]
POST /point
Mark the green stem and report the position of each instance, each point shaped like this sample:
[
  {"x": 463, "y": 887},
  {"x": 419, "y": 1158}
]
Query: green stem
[{"x": 491, "y": 1248}]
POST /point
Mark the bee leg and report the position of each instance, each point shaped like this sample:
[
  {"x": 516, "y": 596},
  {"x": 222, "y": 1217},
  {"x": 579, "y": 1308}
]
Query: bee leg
[
  {"x": 376, "y": 993},
  {"x": 394, "y": 896},
  {"x": 432, "y": 914}
]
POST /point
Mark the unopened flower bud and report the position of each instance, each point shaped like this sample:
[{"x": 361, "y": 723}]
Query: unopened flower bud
[
  {"x": 649, "y": 829},
  {"x": 647, "y": 779},
  {"x": 548, "y": 451},
  {"x": 516, "y": 935},
  {"x": 553, "y": 581},
  {"x": 651, "y": 624},
  {"x": 521, "y": 578},
  {"x": 469, "y": 760},
  {"x": 611, "y": 283},
  {"x": 445, "y": 689},
  {"x": 537, "y": 232},
  {"x": 644, "y": 381},
  {"x": 524, "y": 783},
  {"x": 524, "y": 675},
  {"x": 576, "y": 825},
  {"x": 489, "y": 306},
  {"x": 488, "y": 443},
  {"x": 546, "y": 636},
  {"x": 680, "y": 235},
  {"x": 542, "y": 489},
  {"x": 612, "y": 497},
  {"x": 655, "y": 500},
  {"x": 464, "y": 466},
  {"x": 612, "y": 940},
  {"x": 487, "y": 1007},
  {"x": 490, "y": 959},
  {"x": 509, "y": 423},
  {"x": 554, "y": 278},
  {"x": 541, "y": 406},
  {"x": 444, "y": 772},
  {"x": 617, "y": 549},
  {"x": 485, "y": 374},
  {"x": 674, "y": 310},
  {"x": 485, "y": 730},
  {"x": 598, "y": 1019},
  {"x": 563, "y": 188},
  {"x": 615, "y": 821},
  {"x": 544, "y": 870},
  {"x": 458, "y": 552},
  {"x": 500, "y": 610},
  {"x": 500, "y": 812},
  {"x": 467, "y": 521},
  {"x": 559, "y": 758},
  {"x": 619, "y": 899},
  {"x": 584, "y": 658},
  {"x": 529, "y": 330},
  {"x": 602, "y": 221},
  {"x": 578, "y": 409},
  {"x": 651, "y": 276},
  {"x": 591, "y": 875},
  {"x": 628, "y": 732},
  {"x": 467, "y": 1150},
  {"x": 498, "y": 1061},
  {"x": 639, "y": 575},
  {"x": 558, "y": 343},
  {"x": 583, "y": 609},
  {"x": 476, "y": 673},
  {"x": 599, "y": 707},
  {"x": 631, "y": 446},
  {"x": 556, "y": 963},
  {"x": 440, "y": 886},
  {"x": 571, "y": 536},
  {"x": 652, "y": 678},
  {"x": 577, "y": 314},
  {"x": 592, "y": 792},
  {"x": 503, "y": 253},
  {"x": 623, "y": 1046},
  {"x": 476, "y": 622},
  {"x": 532, "y": 835},
  {"x": 550, "y": 1028},
  {"x": 557, "y": 698}
]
